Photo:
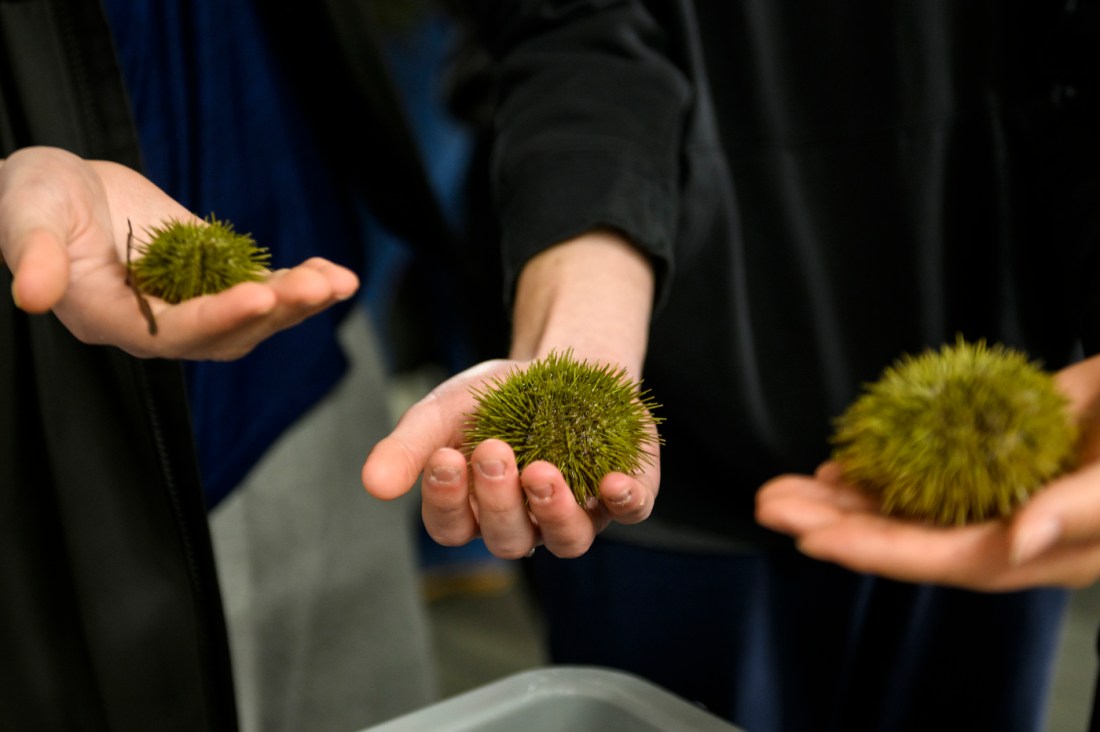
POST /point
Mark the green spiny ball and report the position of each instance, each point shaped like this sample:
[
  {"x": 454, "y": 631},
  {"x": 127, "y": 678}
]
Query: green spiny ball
[
  {"x": 958, "y": 435},
  {"x": 584, "y": 419},
  {"x": 183, "y": 260}
]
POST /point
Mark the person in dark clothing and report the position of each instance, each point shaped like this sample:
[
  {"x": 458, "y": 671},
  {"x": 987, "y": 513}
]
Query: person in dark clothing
[
  {"x": 758, "y": 206},
  {"x": 113, "y": 614},
  {"x": 105, "y": 538}
]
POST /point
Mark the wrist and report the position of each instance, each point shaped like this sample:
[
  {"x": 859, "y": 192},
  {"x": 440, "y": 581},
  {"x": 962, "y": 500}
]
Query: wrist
[{"x": 592, "y": 294}]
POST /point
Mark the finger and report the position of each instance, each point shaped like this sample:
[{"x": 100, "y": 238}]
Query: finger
[
  {"x": 1073, "y": 566},
  {"x": 208, "y": 317},
  {"x": 1078, "y": 382},
  {"x": 230, "y": 324},
  {"x": 47, "y": 195},
  {"x": 782, "y": 508},
  {"x": 342, "y": 282},
  {"x": 830, "y": 471},
  {"x": 40, "y": 266},
  {"x": 226, "y": 315},
  {"x": 392, "y": 467},
  {"x": 435, "y": 421},
  {"x": 301, "y": 288},
  {"x": 500, "y": 504},
  {"x": 235, "y": 321},
  {"x": 628, "y": 499},
  {"x": 210, "y": 327},
  {"x": 445, "y": 495},
  {"x": 909, "y": 551},
  {"x": 1066, "y": 511},
  {"x": 796, "y": 504},
  {"x": 566, "y": 528}
]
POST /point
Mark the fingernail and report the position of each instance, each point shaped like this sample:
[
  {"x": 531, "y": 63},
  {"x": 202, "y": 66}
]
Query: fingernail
[
  {"x": 621, "y": 501},
  {"x": 491, "y": 468},
  {"x": 1035, "y": 540},
  {"x": 539, "y": 491},
  {"x": 444, "y": 474}
]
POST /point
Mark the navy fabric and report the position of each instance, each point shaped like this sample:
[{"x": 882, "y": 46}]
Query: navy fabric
[
  {"x": 784, "y": 643},
  {"x": 417, "y": 58},
  {"x": 220, "y": 134}
]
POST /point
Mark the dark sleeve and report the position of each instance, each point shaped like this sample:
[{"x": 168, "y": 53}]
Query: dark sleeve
[{"x": 589, "y": 112}]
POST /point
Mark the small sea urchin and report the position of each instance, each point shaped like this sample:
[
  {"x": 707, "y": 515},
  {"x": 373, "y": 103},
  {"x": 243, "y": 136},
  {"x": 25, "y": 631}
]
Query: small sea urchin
[
  {"x": 585, "y": 419},
  {"x": 183, "y": 260},
  {"x": 958, "y": 435}
]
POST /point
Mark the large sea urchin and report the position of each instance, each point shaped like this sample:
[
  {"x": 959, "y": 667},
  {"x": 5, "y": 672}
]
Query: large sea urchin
[
  {"x": 587, "y": 420},
  {"x": 958, "y": 435}
]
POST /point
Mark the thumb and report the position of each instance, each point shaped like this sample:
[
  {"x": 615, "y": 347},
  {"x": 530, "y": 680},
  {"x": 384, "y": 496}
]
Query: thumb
[
  {"x": 38, "y": 188},
  {"x": 394, "y": 464},
  {"x": 435, "y": 422},
  {"x": 391, "y": 468},
  {"x": 40, "y": 266}
]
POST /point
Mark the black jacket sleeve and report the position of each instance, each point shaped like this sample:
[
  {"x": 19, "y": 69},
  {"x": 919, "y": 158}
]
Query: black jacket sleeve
[{"x": 589, "y": 115}]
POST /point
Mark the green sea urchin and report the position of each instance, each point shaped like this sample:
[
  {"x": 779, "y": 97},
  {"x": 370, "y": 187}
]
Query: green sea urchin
[
  {"x": 585, "y": 419},
  {"x": 958, "y": 435},
  {"x": 183, "y": 260}
]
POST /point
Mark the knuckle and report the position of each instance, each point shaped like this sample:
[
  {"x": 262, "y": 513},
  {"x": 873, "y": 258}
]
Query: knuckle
[
  {"x": 510, "y": 548},
  {"x": 448, "y": 535},
  {"x": 570, "y": 549}
]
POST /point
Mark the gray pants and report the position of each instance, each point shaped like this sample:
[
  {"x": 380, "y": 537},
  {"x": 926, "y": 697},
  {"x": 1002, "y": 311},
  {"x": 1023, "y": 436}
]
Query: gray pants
[{"x": 327, "y": 626}]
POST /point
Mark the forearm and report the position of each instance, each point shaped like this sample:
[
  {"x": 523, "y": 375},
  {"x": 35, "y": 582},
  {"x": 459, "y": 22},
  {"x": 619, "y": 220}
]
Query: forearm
[
  {"x": 593, "y": 294},
  {"x": 588, "y": 132}
]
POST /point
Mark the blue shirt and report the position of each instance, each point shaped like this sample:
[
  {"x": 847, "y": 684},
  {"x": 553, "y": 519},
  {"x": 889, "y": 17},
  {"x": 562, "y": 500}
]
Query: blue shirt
[{"x": 220, "y": 133}]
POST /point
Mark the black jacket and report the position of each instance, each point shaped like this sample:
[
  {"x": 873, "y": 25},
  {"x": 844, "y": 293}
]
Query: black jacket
[
  {"x": 111, "y": 615},
  {"x": 822, "y": 187}
]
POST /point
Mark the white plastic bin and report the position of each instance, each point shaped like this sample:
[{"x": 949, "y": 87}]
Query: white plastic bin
[{"x": 562, "y": 699}]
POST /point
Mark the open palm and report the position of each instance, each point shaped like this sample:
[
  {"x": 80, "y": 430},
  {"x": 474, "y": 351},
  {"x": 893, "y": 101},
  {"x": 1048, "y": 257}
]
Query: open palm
[
  {"x": 488, "y": 496},
  {"x": 64, "y": 224},
  {"x": 1053, "y": 540}
]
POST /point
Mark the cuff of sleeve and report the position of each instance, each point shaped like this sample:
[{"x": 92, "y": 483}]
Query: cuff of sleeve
[{"x": 555, "y": 197}]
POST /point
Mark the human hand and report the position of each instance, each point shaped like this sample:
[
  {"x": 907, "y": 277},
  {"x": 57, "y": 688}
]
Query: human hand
[
  {"x": 1053, "y": 540},
  {"x": 512, "y": 511},
  {"x": 64, "y": 223}
]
